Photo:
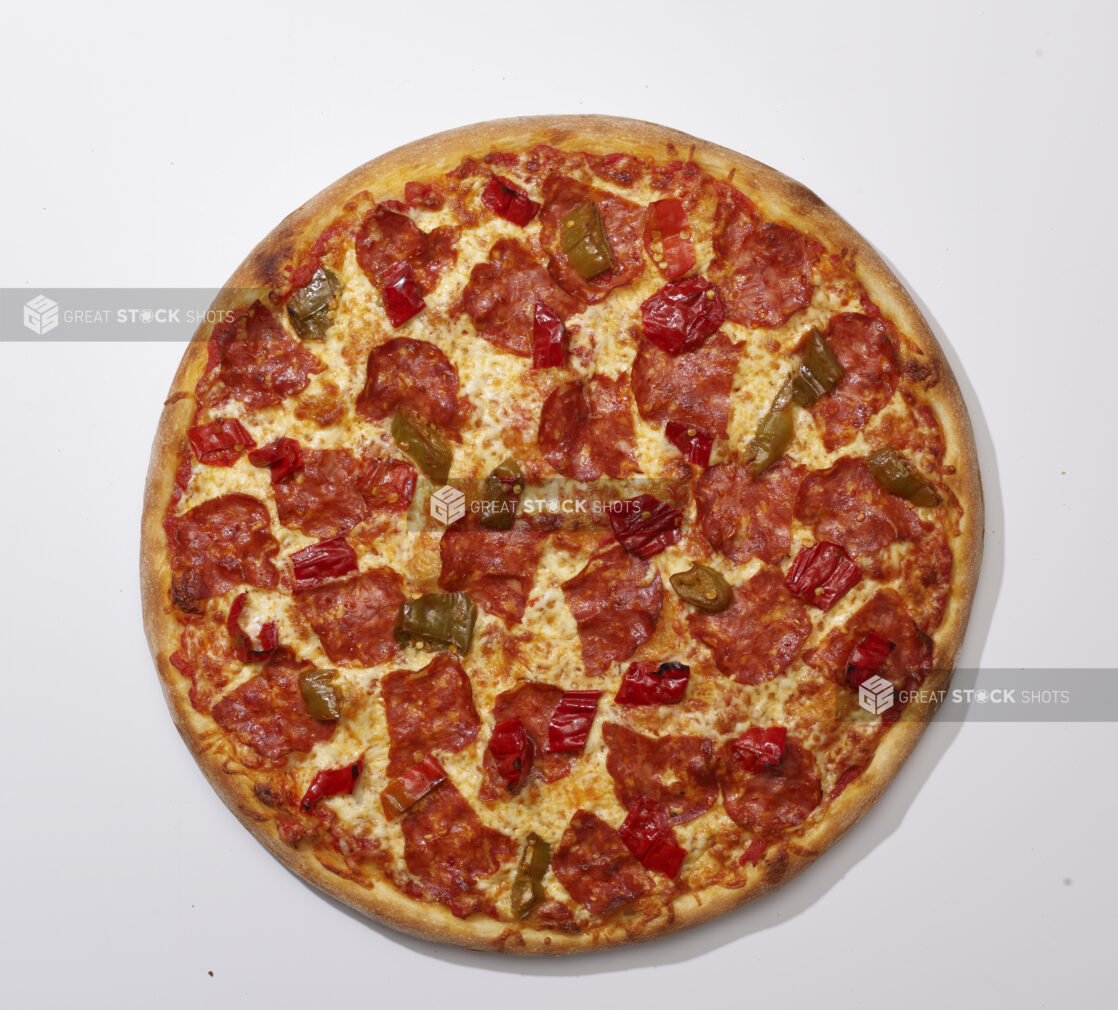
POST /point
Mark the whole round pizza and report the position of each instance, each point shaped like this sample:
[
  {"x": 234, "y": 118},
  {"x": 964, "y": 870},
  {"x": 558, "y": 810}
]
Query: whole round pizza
[{"x": 558, "y": 533}]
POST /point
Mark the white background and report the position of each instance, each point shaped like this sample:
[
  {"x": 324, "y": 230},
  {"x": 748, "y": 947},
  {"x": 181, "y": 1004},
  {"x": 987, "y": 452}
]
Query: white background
[{"x": 153, "y": 145}]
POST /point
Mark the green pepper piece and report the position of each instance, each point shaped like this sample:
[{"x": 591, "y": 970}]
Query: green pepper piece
[
  {"x": 440, "y": 620},
  {"x": 583, "y": 238},
  {"x": 894, "y": 473},
  {"x": 819, "y": 371},
  {"x": 774, "y": 433},
  {"x": 322, "y": 698},
  {"x": 702, "y": 587},
  {"x": 310, "y": 307},
  {"x": 424, "y": 443},
  {"x": 500, "y": 494},
  {"x": 527, "y": 886}
]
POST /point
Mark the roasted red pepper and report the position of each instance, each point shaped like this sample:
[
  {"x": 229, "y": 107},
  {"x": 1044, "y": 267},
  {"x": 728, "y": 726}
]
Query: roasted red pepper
[
  {"x": 653, "y": 683},
  {"x": 512, "y": 750},
  {"x": 571, "y": 721},
  {"x": 694, "y": 443},
  {"x": 668, "y": 238},
  {"x": 549, "y": 338},
  {"x": 219, "y": 443},
  {"x": 242, "y": 644},
  {"x": 283, "y": 457},
  {"x": 508, "y": 200},
  {"x": 411, "y": 787},
  {"x": 822, "y": 574},
  {"x": 682, "y": 314},
  {"x": 648, "y": 836},
  {"x": 332, "y": 782},
  {"x": 866, "y": 658},
  {"x": 401, "y": 295},
  {"x": 644, "y": 525},
  {"x": 325, "y": 560},
  {"x": 758, "y": 749}
]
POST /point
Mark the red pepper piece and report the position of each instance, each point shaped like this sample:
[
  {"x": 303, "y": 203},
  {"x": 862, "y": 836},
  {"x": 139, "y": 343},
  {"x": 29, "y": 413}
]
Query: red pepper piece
[
  {"x": 822, "y": 574},
  {"x": 866, "y": 658},
  {"x": 648, "y": 836},
  {"x": 759, "y": 749},
  {"x": 411, "y": 787},
  {"x": 332, "y": 782},
  {"x": 549, "y": 338},
  {"x": 242, "y": 644},
  {"x": 508, "y": 200},
  {"x": 512, "y": 750},
  {"x": 325, "y": 560},
  {"x": 401, "y": 295},
  {"x": 682, "y": 314},
  {"x": 283, "y": 456},
  {"x": 694, "y": 443},
  {"x": 571, "y": 721},
  {"x": 667, "y": 220},
  {"x": 219, "y": 443},
  {"x": 422, "y": 194},
  {"x": 644, "y": 525},
  {"x": 653, "y": 684}
]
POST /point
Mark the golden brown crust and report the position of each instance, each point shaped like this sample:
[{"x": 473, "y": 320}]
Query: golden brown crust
[{"x": 781, "y": 198}]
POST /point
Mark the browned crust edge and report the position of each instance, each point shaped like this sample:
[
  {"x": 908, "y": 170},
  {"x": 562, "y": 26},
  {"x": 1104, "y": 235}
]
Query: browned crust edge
[{"x": 779, "y": 197}]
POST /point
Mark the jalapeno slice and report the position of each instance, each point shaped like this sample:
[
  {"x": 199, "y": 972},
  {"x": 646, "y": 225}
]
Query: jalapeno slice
[
  {"x": 897, "y": 475},
  {"x": 438, "y": 620},
  {"x": 500, "y": 495},
  {"x": 423, "y": 443},
  {"x": 583, "y": 238},
  {"x": 527, "y": 886},
  {"x": 311, "y": 307},
  {"x": 774, "y": 433},
  {"x": 818, "y": 373},
  {"x": 702, "y": 587},
  {"x": 322, "y": 698}
]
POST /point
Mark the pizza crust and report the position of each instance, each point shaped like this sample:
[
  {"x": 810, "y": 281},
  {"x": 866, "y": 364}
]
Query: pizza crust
[{"x": 785, "y": 200}]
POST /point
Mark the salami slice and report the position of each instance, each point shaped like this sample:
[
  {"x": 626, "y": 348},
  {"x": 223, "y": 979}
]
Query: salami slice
[
  {"x": 268, "y": 714},
  {"x": 586, "y": 429},
  {"x": 533, "y": 704},
  {"x": 448, "y": 849},
  {"x": 218, "y": 545},
  {"x": 678, "y": 772},
  {"x": 502, "y": 293},
  {"x": 206, "y": 659},
  {"x": 496, "y": 567},
  {"x": 255, "y": 360},
  {"x": 615, "y": 601},
  {"x": 846, "y": 506},
  {"x": 388, "y": 237},
  {"x": 624, "y": 226},
  {"x": 414, "y": 373},
  {"x": 596, "y": 868},
  {"x": 774, "y": 798},
  {"x": 354, "y": 617},
  {"x": 692, "y": 388},
  {"x": 863, "y": 347},
  {"x": 745, "y": 517},
  {"x": 759, "y": 635}
]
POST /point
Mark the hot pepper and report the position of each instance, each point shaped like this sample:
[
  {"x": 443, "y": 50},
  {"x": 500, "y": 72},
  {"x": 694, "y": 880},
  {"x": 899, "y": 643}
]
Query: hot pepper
[
  {"x": 401, "y": 295},
  {"x": 583, "y": 238},
  {"x": 758, "y": 749},
  {"x": 703, "y": 587},
  {"x": 819, "y": 371},
  {"x": 438, "y": 620},
  {"x": 283, "y": 457},
  {"x": 668, "y": 238},
  {"x": 322, "y": 698},
  {"x": 644, "y": 525},
  {"x": 894, "y": 473},
  {"x": 648, "y": 835},
  {"x": 420, "y": 779},
  {"x": 509, "y": 201},
  {"x": 549, "y": 338},
  {"x": 571, "y": 721},
  {"x": 527, "y": 886},
  {"x": 219, "y": 443},
  {"x": 682, "y": 314},
  {"x": 332, "y": 782},
  {"x": 500, "y": 495},
  {"x": 867, "y": 657},
  {"x": 512, "y": 751},
  {"x": 241, "y": 643},
  {"x": 424, "y": 443},
  {"x": 822, "y": 574},
  {"x": 311, "y": 308},
  {"x": 652, "y": 683},
  {"x": 325, "y": 560},
  {"x": 774, "y": 433},
  {"x": 694, "y": 443}
]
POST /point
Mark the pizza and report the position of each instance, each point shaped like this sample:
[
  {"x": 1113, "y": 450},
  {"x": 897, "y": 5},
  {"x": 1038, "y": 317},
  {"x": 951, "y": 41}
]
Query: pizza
[{"x": 557, "y": 534}]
